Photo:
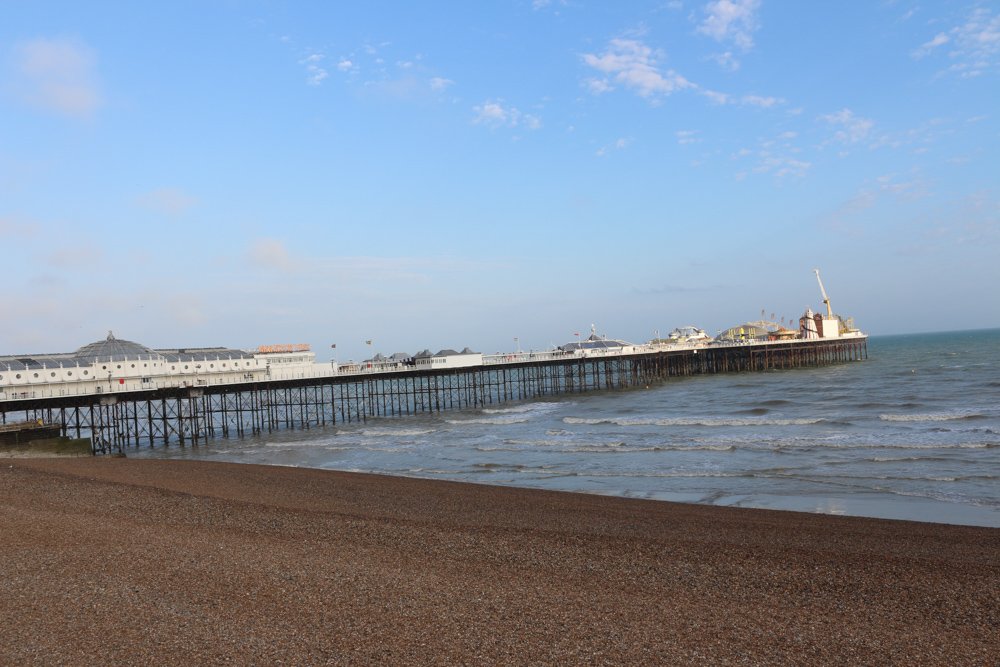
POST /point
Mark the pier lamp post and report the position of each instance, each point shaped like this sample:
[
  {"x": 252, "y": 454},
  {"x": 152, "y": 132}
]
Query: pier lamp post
[{"x": 657, "y": 334}]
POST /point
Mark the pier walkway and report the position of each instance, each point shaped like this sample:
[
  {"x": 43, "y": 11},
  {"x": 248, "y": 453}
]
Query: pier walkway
[{"x": 116, "y": 420}]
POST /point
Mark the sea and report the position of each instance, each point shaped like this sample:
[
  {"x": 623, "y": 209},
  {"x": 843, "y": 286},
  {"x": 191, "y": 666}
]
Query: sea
[{"x": 913, "y": 432}]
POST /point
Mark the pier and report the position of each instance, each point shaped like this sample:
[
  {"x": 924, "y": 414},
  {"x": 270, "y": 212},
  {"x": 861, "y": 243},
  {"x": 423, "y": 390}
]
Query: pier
[{"x": 188, "y": 415}]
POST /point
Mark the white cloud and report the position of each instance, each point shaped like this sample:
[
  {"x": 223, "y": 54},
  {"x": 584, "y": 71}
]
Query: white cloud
[
  {"x": 782, "y": 166},
  {"x": 314, "y": 73},
  {"x": 717, "y": 98},
  {"x": 437, "y": 83},
  {"x": 404, "y": 64},
  {"x": 617, "y": 146},
  {"x": 731, "y": 20},
  {"x": 789, "y": 135},
  {"x": 56, "y": 75},
  {"x": 762, "y": 102},
  {"x": 345, "y": 65},
  {"x": 633, "y": 64},
  {"x": 975, "y": 42},
  {"x": 172, "y": 201},
  {"x": 598, "y": 86},
  {"x": 270, "y": 252},
  {"x": 726, "y": 61},
  {"x": 854, "y": 129},
  {"x": 493, "y": 115},
  {"x": 686, "y": 136},
  {"x": 930, "y": 46}
]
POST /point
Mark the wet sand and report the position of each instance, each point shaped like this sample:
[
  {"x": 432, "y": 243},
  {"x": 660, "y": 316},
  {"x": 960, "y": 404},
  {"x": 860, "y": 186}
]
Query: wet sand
[{"x": 122, "y": 561}]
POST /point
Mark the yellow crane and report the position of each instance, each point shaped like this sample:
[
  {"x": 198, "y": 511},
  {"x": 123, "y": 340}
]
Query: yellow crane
[{"x": 826, "y": 299}]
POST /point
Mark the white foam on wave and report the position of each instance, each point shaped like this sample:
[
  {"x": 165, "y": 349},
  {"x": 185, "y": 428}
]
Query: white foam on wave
[
  {"x": 563, "y": 443},
  {"x": 931, "y": 417},
  {"x": 693, "y": 422},
  {"x": 396, "y": 432},
  {"x": 895, "y": 459},
  {"x": 496, "y": 421},
  {"x": 539, "y": 407}
]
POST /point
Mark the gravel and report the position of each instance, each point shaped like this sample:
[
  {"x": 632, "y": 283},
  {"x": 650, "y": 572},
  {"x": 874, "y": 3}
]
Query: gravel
[{"x": 136, "y": 561}]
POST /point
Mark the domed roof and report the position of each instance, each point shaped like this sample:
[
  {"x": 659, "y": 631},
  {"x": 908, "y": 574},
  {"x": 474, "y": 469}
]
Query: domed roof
[{"x": 113, "y": 349}]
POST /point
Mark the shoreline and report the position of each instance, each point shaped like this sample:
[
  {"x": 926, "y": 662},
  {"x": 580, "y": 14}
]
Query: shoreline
[
  {"x": 126, "y": 561},
  {"x": 864, "y": 504}
]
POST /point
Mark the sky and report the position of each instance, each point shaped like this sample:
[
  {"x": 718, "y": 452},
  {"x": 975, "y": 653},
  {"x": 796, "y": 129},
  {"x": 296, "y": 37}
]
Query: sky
[{"x": 440, "y": 175}]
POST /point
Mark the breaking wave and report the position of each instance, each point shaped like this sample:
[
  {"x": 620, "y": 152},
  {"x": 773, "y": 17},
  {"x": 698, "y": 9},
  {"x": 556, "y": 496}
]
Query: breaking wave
[
  {"x": 396, "y": 432},
  {"x": 931, "y": 417},
  {"x": 694, "y": 422}
]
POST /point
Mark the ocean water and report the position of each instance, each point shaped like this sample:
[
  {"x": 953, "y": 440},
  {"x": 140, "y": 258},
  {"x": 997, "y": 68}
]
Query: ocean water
[{"x": 911, "y": 433}]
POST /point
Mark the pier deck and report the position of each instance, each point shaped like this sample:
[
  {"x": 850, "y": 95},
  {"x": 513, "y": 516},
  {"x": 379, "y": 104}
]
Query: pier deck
[{"x": 189, "y": 415}]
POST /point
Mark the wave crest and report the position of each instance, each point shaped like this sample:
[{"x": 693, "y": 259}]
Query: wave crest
[
  {"x": 677, "y": 421},
  {"x": 931, "y": 417}
]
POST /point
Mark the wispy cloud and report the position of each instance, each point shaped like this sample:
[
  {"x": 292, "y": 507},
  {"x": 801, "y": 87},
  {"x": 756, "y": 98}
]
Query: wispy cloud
[
  {"x": 731, "y": 20},
  {"x": 762, "y": 102},
  {"x": 314, "y": 72},
  {"x": 717, "y": 98},
  {"x": 269, "y": 252},
  {"x": 437, "y": 83},
  {"x": 59, "y": 76},
  {"x": 617, "y": 146},
  {"x": 493, "y": 114},
  {"x": 885, "y": 189},
  {"x": 172, "y": 201},
  {"x": 974, "y": 44},
  {"x": 781, "y": 166},
  {"x": 854, "y": 129},
  {"x": 541, "y": 4},
  {"x": 926, "y": 48},
  {"x": 16, "y": 226},
  {"x": 686, "y": 136},
  {"x": 630, "y": 63},
  {"x": 726, "y": 61}
]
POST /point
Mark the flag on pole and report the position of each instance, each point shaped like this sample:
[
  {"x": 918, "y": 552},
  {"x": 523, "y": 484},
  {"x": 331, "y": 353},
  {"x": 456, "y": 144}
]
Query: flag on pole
[
  {"x": 334, "y": 345},
  {"x": 368, "y": 342}
]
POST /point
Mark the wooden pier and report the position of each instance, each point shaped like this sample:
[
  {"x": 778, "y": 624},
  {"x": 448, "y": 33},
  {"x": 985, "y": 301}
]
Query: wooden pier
[{"x": 190, "y": 415}]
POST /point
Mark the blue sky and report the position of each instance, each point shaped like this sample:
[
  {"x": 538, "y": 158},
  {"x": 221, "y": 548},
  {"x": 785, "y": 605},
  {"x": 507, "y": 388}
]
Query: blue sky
[{"x": 243, "y": 173}]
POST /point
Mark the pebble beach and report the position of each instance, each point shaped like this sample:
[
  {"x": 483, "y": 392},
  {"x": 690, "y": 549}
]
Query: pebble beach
[{"x": 126, "y": 561}]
